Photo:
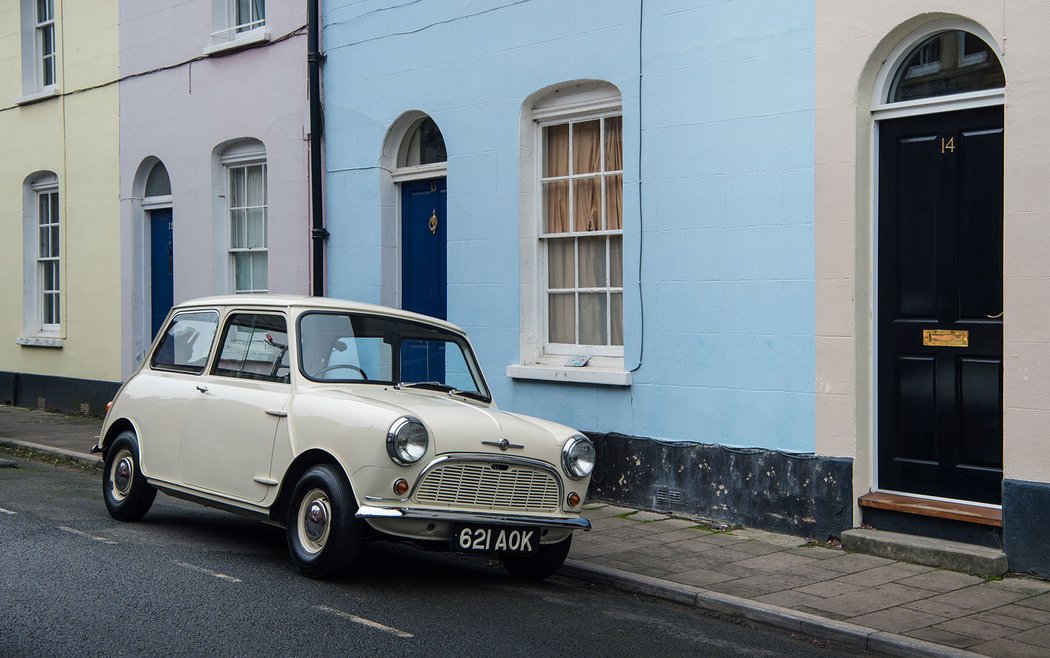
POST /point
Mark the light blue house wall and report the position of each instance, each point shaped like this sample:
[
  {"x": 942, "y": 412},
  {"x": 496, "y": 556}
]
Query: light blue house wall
[{"x": 721, "y": 329}]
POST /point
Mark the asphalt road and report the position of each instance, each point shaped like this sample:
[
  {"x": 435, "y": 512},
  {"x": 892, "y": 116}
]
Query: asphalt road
[{"x": 188, "y": 580}]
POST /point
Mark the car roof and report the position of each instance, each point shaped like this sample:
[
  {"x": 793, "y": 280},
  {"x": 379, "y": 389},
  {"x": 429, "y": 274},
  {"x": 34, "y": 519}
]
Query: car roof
[{"x": 272, "y": 300}]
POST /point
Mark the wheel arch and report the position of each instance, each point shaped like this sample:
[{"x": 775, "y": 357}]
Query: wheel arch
[
  {"x": 114, "y": 430},
  {"x": 302, "y": 463}
]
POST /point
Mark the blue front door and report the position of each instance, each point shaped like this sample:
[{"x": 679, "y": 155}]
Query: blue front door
[
  {"x": 423, "y": 258},
  {"x": 162, "y": 289},
  {"x": 423, "y": 273}
]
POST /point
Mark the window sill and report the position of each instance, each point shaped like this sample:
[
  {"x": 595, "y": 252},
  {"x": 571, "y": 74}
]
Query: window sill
[
  {"x": 601, "y": 376},
  {"x": 242, "y": 40},
  {"x": 39, "y": 341},
  {"x": 37, "y": 96}
]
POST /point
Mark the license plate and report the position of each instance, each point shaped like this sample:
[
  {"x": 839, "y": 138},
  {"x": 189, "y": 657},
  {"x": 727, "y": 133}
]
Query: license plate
[{"x": 487, "y": 538}]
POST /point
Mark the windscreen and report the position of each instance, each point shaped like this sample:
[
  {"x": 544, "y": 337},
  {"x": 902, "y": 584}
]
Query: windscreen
[{"x": 344, "y": 347}]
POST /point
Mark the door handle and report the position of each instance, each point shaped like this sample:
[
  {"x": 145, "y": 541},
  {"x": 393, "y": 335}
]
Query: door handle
[
  {"x": 280, "y": 413},
  {"x": 202, "y": 388},
  {"x": 996, "y": 316}
]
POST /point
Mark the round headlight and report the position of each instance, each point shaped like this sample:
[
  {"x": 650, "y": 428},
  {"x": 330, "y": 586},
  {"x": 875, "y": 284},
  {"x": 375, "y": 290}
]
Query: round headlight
[
  {"x": 577, "y": 457},
  {"x": 407, "y": 441}
]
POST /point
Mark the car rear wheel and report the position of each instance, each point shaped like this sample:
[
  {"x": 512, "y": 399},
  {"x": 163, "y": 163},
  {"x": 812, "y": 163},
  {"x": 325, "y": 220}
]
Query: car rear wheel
[
  {"x": 547, "y": 560},
  {"x": 323, "y": 534},
  {"x": 124, "y": 488}
]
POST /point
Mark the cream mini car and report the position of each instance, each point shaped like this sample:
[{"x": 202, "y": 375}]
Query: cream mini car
[{"x": 341, "y": 421}]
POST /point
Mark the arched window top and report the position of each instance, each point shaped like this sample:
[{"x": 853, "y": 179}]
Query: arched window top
[
  {"x": 43, "y": 180},
  {"x": 157, "y": 183},
  {"x": 945, "y": 63},
  {"x": 241, "y": 150},
  {"x": 423, "y": 145}
]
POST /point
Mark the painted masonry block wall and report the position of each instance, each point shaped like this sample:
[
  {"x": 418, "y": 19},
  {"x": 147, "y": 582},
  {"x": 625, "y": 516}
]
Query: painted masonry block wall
[
  {"x": 180, "y": 116},
  {"x": 75, "y": 137},
  {"x": 723, "y": 219},
  {"x": 854, "y": 39},
  {"x": 726, "y": 207}
]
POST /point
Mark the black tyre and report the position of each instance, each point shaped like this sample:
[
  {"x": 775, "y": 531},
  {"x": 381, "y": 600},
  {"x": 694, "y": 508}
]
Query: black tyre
[
  {"x": 124, "y": 488},
  {"x": 543, "y": 563},
  {"x": 323, "y": 534}
]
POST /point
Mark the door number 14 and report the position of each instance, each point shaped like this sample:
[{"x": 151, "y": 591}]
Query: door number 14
[{"x": 948, "y": 145}]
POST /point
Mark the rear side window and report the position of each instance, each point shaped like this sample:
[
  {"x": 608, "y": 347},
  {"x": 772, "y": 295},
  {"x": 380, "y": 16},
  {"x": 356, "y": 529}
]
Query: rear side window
[
  {"x": 254, "y": 346},
  {"x": 186, "y": 345}
]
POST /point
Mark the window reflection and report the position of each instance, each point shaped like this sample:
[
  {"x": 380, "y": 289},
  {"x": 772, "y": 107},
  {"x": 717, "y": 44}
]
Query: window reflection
[{"x": 951, "y": 62}]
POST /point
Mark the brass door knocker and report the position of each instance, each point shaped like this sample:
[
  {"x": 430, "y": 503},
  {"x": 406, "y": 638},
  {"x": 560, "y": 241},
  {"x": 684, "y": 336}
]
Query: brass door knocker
[{"x": 433, "y": 223}]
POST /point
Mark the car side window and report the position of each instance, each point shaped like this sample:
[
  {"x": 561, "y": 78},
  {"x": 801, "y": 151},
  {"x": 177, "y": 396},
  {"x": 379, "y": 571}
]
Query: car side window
[
  {"x": 254, "y": 346},
  {"x": 186, "y": 345}
]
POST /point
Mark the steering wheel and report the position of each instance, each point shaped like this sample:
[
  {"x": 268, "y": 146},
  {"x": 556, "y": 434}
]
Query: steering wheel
[{"x": 339, "y": 366}]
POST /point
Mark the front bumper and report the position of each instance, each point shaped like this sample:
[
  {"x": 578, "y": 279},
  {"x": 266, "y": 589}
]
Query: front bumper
[{"x": 371, "y": 512}]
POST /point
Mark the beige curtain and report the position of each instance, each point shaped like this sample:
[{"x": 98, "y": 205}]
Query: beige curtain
[
  {"x": 586, "y": 147},
  {"x": 587, "y": 204},
  {"x": 614, "y": 144},
  {"x": 556, "y": 200},
  {"x": 556, "y": 194},
  {"x": 614, "y": 202}
]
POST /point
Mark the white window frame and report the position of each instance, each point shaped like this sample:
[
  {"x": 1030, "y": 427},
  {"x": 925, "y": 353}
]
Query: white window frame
[
  {"x": 34, "y": 59},
  {"x": 45, "y": 60},
  {"x": 37, "y": 330},
  {"x": 570, "y": 349},
  {"x": 245, "y": 162},
  {"x": 540, "y": 360},
  {"x": 230, "y": 32},
  {"x": 48, "y": 261}
]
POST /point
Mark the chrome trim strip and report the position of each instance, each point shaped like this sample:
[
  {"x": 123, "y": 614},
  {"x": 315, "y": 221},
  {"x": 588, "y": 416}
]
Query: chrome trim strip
[
  {"x": 370, "y": 512},
  {"x": 503, "y": 444}
]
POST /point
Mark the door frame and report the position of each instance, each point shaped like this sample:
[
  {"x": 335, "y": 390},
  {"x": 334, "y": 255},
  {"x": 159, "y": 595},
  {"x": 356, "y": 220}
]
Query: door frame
[
  {"x": 410, "y": 175},
  {"x": 391, "y": 175},
  {"x": 882, "y": 111},
  {"x": 149, "y": 204}
]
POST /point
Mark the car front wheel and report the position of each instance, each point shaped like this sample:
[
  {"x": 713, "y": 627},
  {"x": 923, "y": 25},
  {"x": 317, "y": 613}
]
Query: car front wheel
[
  {"x": 127, "y": 494},
  {"x": 545, "y": 562},
  {"x": 323, "y": 534}
]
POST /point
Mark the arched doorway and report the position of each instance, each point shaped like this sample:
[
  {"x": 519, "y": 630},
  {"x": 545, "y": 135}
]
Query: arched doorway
[
  {"x": 157, "y": 205},
  {"x": 420, "y": 176},
  {"x": 939, "y": 268}
]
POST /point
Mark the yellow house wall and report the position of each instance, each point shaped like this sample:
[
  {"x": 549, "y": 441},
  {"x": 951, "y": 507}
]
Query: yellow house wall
[{"x": 74, "y": 135}]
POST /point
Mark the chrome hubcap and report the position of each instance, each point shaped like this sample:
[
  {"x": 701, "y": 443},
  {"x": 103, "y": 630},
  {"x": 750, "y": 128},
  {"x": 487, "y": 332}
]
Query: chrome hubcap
[
  {"x": 122, "y": 474},
  {"x": 314, "y": 521},
  {"x": 123, "y": 478}
]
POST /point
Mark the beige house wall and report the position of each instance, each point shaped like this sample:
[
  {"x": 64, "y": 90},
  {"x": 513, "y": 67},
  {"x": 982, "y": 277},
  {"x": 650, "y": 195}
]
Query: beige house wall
[{"x": 853, "y": 40}]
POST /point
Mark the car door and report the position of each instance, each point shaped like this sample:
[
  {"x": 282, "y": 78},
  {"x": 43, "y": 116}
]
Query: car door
[
  {"x": 228, "y": 437},
  {"x": 163, "y": 388}
]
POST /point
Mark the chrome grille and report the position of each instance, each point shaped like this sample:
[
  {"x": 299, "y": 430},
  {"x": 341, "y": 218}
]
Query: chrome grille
[{"x": 489, "y": 486}]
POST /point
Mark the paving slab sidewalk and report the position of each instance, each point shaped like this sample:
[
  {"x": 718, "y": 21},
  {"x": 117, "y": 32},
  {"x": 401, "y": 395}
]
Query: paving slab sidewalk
[{"x": 857, "y": 600}]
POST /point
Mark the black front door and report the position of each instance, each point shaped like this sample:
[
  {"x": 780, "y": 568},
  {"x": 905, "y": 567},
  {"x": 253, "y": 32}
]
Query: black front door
[{"x": 940, "y": 303}]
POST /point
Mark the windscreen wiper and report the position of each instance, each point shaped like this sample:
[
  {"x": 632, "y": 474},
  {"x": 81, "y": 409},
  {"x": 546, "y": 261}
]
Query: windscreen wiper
[{"x": 440, "y": 386}]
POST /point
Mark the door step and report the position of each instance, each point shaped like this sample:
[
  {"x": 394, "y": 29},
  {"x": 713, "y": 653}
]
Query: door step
[
  {"x": 941, "y": 553},
  {"x": 940, "y": 509}
]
